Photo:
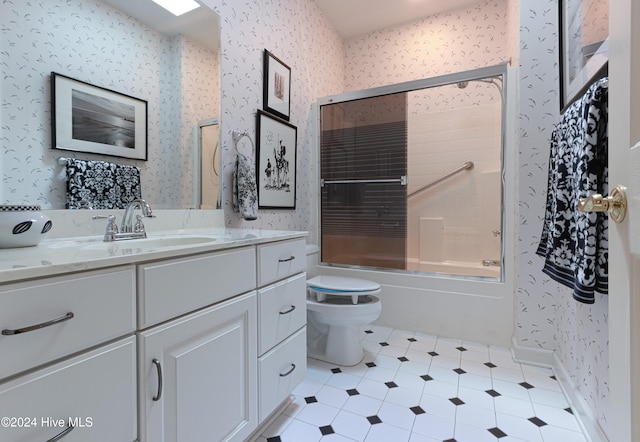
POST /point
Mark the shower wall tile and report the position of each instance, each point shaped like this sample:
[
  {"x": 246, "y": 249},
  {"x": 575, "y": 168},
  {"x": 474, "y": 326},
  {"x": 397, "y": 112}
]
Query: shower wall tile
[{"x": 546, "y": 314}]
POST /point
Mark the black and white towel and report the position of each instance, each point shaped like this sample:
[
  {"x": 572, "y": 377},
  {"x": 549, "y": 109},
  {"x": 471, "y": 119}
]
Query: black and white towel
[
  {"x": 245, "y": 190},
  {"x": 101, "y": 184},
  {"x": 575, "y": 244}
]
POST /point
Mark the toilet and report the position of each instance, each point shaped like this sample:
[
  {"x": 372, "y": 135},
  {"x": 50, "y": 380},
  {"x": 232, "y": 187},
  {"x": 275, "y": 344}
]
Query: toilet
[{"x": 337, "y": 309}]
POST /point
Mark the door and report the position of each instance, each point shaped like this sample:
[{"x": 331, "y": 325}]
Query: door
[
  {"x": 199, "y": 375},
  {"x": 624, "y": 267}
]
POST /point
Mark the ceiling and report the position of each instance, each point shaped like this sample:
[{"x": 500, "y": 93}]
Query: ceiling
[
  {"x": 202, "y": 24},
  {"x": 352, "y": 18}
]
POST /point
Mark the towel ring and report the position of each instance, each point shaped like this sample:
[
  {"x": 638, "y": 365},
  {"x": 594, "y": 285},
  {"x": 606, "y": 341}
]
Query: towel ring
[{"x": 237, "y": 136}]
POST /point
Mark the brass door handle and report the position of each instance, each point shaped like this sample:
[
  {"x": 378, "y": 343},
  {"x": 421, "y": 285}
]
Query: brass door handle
[{"x": 615, "y": 204}]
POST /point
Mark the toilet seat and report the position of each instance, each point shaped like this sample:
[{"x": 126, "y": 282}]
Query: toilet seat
[{"x": 324, "y": 285}]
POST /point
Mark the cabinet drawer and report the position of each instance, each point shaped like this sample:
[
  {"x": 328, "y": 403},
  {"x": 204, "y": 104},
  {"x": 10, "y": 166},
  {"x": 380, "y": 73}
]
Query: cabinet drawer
[
  {"x": 176, "y": 286},
  {"x": 281, "y": 259},
  {"x": 95, "y": 390},
  {"x": 281, "y": 370},
  {"x": 282, "y": 310},
  {"x": 103, "y": 307}
]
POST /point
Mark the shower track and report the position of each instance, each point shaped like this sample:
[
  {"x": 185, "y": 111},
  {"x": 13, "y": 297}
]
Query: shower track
[{"x": 466, "y": 166}]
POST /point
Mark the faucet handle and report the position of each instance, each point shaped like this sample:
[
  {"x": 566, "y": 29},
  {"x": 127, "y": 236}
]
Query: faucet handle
[
  {"x": 112, "y": 227},
  {"x": 139, "y": 226}
]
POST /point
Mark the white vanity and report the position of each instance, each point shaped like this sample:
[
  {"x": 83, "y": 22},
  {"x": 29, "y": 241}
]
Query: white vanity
[{"x": 177, "y": 339}]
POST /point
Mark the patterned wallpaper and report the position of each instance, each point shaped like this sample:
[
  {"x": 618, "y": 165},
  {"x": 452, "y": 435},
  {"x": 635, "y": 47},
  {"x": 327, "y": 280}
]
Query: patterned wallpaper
[
  {"x": 450, "y": 42},
  {"x": 546, "y": 315},
  {"x": 299, "y": 35},
  {"x": 40, "y": 37}
]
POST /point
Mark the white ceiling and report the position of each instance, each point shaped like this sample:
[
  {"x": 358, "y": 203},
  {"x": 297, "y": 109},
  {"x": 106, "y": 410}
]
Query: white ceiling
[
  {"x": 202, "y": 24},
  {"x": 352, "y": 18}
]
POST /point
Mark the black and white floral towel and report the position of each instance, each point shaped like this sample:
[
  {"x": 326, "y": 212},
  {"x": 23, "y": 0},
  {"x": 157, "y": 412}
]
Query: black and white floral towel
[
  {"x": 575, "y": 244},
  {"x": 101, "y": 184},
  {"x": 245, "y": 190}
]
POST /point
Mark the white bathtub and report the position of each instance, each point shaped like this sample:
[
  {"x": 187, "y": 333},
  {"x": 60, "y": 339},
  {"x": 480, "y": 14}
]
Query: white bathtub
[{"x": 454, "y": 268}]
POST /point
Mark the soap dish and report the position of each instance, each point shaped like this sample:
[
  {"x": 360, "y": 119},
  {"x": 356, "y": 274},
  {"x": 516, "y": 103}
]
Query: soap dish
[{"x": 22, "y": 226}]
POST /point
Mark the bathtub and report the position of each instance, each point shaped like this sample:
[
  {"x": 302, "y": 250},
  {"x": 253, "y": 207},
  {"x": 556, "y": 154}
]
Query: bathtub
[{"x": 454, "y": 268}]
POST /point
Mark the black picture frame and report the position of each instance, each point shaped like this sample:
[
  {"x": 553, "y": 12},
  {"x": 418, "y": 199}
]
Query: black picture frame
[
  {"x": 277, "y": 143},
  {"x": 277, "y": 86},
  {"x": 93, "y": 119},
  {"x": 584, "y": 48}
]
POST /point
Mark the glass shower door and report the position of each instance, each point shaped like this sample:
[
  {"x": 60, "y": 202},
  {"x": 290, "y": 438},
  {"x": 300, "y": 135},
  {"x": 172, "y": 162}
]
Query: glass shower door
[{"x": 363, "y": 175}]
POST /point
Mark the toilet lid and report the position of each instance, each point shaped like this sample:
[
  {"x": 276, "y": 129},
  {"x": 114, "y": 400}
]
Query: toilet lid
[{"x": 342, "y": 284}]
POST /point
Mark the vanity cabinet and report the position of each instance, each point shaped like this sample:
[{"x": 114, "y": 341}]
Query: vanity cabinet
[{"x": 205, "y": 346}]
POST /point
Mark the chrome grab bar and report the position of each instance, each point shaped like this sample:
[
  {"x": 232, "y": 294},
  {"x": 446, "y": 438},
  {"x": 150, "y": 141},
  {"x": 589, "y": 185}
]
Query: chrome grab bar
[{"x": 466, "y": 166}]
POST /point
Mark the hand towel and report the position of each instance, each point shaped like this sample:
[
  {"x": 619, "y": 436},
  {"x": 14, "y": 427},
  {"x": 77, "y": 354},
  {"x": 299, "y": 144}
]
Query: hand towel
[
  {"x": 575, "y": 244},
  {"x": 101, "y": 184},
  {"x": 245, "y": 190}
]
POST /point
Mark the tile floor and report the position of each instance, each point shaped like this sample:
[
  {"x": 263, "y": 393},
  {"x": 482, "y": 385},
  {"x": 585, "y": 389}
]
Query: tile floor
[{"x": 420, "y": 388}]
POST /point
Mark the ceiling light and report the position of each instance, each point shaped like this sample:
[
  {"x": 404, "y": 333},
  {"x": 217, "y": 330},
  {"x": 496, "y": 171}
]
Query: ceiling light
[{"x": 178, "y": 7}]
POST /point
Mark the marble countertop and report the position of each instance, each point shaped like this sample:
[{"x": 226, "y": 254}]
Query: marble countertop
[{"x": 71, "y": 254}]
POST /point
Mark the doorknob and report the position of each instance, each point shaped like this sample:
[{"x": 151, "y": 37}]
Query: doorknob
[{"x": 615, "y": 204}]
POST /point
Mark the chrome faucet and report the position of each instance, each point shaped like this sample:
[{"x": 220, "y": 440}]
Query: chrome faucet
[
  {"x": 128, "y": 230},
  {"x": 127, "y": 225}
]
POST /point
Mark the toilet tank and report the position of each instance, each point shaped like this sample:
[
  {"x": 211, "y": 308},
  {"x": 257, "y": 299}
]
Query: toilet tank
[{"x": 313, "y": 259}]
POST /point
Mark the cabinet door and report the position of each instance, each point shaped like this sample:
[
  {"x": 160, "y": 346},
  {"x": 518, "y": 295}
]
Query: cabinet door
[
  {"x": 94, "y": 393},
  {"x": 208, "y": 368}
]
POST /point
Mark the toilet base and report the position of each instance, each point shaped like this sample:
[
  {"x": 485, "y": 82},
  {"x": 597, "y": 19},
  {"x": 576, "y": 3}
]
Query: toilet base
[{"x": 338, "y": 344}]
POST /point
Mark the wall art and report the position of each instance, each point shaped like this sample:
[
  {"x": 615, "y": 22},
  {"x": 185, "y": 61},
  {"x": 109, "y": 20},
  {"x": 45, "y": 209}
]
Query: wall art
[
  {"x": 276, "y": 162},
  {"x": 87, "y": 118},
  {"x": 584, "y": 46},
  {"x": 277, "y": 86}
]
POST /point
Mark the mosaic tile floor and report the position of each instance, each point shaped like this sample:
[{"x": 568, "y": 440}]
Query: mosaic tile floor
[{"x": 420, "y": 388}]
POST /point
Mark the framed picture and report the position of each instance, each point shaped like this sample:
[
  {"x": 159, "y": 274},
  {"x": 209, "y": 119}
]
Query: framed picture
[
  {"x": 584, "y": 46},
  {"x": 88, "y": 118},
  {"x": 277, "y": 86},
  {"x": 276, "y": 162}
]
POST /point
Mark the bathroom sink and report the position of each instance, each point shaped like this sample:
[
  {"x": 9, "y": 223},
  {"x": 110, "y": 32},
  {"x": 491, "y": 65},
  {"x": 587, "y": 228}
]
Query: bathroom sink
[{"x": 149, "y": 243}]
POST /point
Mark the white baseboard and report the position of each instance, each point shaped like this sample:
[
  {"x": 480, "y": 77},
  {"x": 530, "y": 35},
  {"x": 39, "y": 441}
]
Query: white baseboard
[{"x": 547, "y": 358}]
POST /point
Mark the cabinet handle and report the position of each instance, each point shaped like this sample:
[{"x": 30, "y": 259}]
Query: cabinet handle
[
  {"x": 17, "y": 331},
  {"x": 293, "y": 307},
  {"x": 293, "y": 367},
  {"x": 291, "y": 258},
  {"x": 159, "y": 370},
  {"x": 62, "y": 434}
]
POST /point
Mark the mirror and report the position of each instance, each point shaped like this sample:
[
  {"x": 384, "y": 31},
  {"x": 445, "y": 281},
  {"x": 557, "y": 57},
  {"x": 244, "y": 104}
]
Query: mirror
[{"x": 170, "y": 62}]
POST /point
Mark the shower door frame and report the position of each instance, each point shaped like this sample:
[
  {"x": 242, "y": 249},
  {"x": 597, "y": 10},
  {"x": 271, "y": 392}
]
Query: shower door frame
[
  {"x": 443, "y": 80},
  {"x": 421, "y": 301}
]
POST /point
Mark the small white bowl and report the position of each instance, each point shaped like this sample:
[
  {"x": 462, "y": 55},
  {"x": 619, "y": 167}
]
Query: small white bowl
[{"x": 22, "y": 226}]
